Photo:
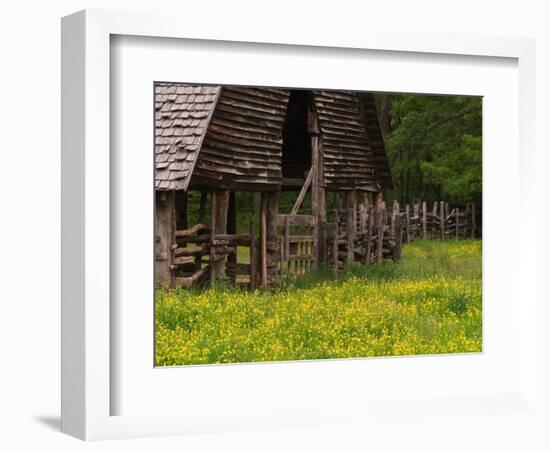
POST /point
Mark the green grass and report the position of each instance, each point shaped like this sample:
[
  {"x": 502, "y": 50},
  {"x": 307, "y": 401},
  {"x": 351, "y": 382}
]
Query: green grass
[{"x": 430, "y": 302}]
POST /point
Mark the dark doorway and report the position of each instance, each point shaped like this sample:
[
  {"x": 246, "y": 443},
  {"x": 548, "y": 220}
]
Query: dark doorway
[{"x": 296, "y": 139}]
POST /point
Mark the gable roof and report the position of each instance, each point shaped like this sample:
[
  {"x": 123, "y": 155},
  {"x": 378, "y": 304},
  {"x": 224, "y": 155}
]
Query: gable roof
[
  {"x": 237, "y": 131},
  {"x": 348, "y": 159},
  {"x": 182, "y": 115}
]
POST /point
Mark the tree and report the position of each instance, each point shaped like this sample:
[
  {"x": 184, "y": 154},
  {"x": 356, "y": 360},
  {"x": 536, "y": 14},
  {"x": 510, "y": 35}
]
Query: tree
[{"x": 434, "y": 145}]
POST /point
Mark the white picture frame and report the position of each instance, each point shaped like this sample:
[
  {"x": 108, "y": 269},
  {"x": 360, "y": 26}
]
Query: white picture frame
[{"x": 87, "y": 328}]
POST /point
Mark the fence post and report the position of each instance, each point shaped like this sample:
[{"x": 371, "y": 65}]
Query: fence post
[
  {"x": 253, "y": 256},
  {"x": 407, "y": 223},
  {"x": 398, "y": 238},
  {"x": 424, "y": 220},
  {"x": 369, "y": 236},
  {"x": 350, "y": 224}
]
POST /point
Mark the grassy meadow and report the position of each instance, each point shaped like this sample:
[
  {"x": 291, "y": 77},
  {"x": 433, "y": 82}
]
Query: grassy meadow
[{"x": 428, "y": 303}]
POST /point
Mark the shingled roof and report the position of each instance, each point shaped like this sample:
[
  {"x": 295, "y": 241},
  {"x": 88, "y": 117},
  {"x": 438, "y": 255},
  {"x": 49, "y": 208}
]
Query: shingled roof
[
  {"x": 238, "y": 133},
  {"x": 182, "y": 115}
]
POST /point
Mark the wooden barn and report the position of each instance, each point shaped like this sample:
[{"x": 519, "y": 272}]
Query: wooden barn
[{"x": 220, "y": 140}]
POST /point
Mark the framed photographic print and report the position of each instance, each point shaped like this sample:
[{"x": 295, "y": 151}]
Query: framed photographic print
[{"x": 263, "y": 231}]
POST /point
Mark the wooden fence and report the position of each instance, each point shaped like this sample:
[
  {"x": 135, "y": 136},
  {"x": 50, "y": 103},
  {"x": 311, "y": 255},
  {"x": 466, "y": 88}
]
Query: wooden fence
[{"x": 358, "y": 233}]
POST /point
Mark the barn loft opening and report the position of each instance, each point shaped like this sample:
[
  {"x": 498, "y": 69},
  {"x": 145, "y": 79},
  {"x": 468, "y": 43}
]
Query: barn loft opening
[{"x": 296, "y": 139}]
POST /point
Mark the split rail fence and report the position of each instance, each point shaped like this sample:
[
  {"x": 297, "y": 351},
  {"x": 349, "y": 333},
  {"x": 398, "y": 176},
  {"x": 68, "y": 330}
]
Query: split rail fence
[{"x": 357, "y": 233}]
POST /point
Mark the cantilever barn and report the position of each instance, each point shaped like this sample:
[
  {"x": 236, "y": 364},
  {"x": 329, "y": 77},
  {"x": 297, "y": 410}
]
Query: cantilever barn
[{"x": 220, "y": 140}]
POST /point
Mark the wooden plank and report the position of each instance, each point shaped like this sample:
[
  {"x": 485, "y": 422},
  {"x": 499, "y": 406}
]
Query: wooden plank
[
  {"x": 303, "y": 192},
  {"x": 370, "y": 226},
  {"x": 213, "y": 217},
  {"x": 379, "y": 216},
  {"x": 398, "y": 238},
  {"x": 263, "y": 242},
  {"x": 191, "y": 251},
  {"x": 298, "y": 220},
  {"x": 164, "y": 206},
  {"x": 424, "y": 221},
  {"x": 407, "y": 224},
  {"x": 186, "y": 282},
  {"x": 350, "y": 225},
  {"x": 253, "y": 257},
  {"x": 191, "y": 231},
  {"x": 222, "y": 205},
  {"x": 315, "y": 190}
]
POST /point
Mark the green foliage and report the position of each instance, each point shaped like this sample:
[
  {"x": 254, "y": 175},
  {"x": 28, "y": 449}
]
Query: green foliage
[
  {"x": 428, "y": 303},
  {"x": 434, "y": 145}
]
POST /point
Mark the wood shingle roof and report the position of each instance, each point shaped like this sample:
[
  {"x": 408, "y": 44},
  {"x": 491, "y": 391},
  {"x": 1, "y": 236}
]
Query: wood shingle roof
[{"x": 182, "y": 115}]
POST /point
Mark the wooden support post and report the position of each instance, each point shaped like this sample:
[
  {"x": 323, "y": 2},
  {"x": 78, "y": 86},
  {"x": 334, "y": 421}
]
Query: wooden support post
[
  {"x": 219, "y": 207},
  {"x": 232, "y": 228},
  {"x": 164, "y": 237},
  {"x": 424, "y": 220},
  {"x": 213, "y": 217},
  {"x": 407, "y": 223},
  {"x": 281, "y": 258},
  {"x": 350, "y": 224},
  {"x": 317, "y": 193},
  {"x": 287, "y": 241},
  {"x": 398, "y": 238},
  {"x": 362, "y": 218},
  {"x": 379, "y": 217},
  {"x": 473, "y": 220},
  {"x": 335, "y": 250},
  {"x": 263, "y": 242},
  {"x": 442, "y": 218},
  {"x": 369, "y": 236},
  {"x": 253, "y": 256}
]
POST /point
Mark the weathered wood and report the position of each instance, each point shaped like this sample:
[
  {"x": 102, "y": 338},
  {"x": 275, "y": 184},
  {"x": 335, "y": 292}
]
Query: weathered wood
[
  {"x": 186, "y": 282},
  {"x": 191, "y": 251},
  {"x": 350, "y": 224},
  {"x": 362, "y": 218},
  {"x": 253, "y": 256},
  {"x": 281, "y": 258},
  {"x": 424, "y": 220},
  {"x": 164, "y": 237},
  {"x": 398, "y": 238},
  {"x": 213, "y": 225},
  {"x": 191, "y": 231},
  {"x": 379, "y": 217},
  {"x": 315, "y": 192},
  {"x": 263, "y": 242},
  {"x": 369, "y": 236},
  {"x": 232, "y": 226},
  {"x": 407, "y": 224},
  {"x": 302, "y": 193},
  {"x": 287, "y": 236},
  {"x": 220, "y": 212},
  {"x": 298, "y": 220}
]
